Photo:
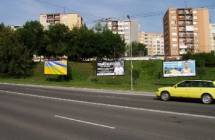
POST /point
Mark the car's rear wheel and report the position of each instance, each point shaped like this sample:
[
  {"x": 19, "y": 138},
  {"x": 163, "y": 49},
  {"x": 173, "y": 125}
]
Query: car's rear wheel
[
  {"x": 165, "y": 96},
  {"x": 207, "y": 99}
]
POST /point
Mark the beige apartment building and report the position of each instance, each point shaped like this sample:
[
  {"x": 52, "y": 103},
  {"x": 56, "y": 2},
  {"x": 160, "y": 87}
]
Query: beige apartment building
[
  {"x": 212, "y": 36},
  {"x": 154, "y": 43},
  {"x": 69, "y": 19},
  {"x": 186, "y": 30},
  {"x": 128, "y": 30}
]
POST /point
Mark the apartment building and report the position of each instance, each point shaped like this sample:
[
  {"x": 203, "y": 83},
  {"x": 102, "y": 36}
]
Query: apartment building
[
  {"x": 212, "y": 36},
  {"x": 186, "y": 30},
  {"x": 154, "y": 43},
  {"x": 69, "y": 19},
  {"x": 128, "y": 30},
  {"x": 15, "y": 27}
]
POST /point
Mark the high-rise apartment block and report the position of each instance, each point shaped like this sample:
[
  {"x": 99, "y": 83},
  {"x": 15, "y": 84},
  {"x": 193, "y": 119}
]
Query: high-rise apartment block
[
  {"x": 212, "y": 36},
  {"x": 69, "y": 19},
  {"x": 128, "y": 30},
  {"x": 186, "y": 30},
  {"x": 154, "y": 43},
  {"x": 15, "y": 27}
]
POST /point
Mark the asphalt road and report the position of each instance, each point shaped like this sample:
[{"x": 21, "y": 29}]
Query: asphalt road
[{"x": 36, "y": 113}]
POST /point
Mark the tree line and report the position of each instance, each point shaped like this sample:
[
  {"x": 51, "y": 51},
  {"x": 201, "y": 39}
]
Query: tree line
[{"x": 17, "y": 47}]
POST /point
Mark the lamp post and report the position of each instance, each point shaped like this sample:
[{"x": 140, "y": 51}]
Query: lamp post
[{"x": 131, "y": 63}]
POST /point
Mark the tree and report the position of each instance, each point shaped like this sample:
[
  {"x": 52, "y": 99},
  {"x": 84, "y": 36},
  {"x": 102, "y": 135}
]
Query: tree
[
  {"x": 81, "y": 44},
  {"x": 110, "y": 45},
  {"x": 138, "y": 49},
  {"x": 15, "y": 59},
  {"x": 57, "y": 40},
  {"x": 85, "y": 44},
  {"x": 32, "y": 37}
]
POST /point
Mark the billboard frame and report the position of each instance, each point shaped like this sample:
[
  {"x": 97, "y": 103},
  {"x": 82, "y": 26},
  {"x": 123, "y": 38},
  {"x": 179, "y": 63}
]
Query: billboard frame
[
  {"x": 112, "y": 60},
  {"x": 56, "y": 61},
  {"x": 178, "y": 75}
]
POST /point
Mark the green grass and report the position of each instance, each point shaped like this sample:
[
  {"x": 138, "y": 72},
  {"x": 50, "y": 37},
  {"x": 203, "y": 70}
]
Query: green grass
[{"x": 83, "y": 75}]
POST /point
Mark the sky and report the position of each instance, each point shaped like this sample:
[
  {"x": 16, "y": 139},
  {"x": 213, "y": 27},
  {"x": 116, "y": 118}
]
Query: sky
[{"x": 148, "y": 13}]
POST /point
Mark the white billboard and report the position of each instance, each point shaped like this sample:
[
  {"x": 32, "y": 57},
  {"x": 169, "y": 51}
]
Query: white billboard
[{"x": 110, "y": 68}]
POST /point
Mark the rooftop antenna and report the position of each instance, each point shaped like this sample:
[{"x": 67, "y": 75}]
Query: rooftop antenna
[
  {"x": 185, "y": 4},
  {"x": 64, "y": 10}
]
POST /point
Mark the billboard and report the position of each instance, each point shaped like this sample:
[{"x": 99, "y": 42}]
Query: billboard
[
  {"x": 55, "y": 67},
  {"x": 109, "y": 68},
  {"x": 179, "y": 68}
]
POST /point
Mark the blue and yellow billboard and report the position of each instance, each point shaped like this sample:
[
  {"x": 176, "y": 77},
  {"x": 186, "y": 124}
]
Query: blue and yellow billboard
[{"x": 55, "y": 67}]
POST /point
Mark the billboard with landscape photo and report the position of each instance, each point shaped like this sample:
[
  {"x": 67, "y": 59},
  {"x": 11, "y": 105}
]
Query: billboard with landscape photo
[
  {"x": 179, "y": 68},
  {"x": 55, "y": 67}
]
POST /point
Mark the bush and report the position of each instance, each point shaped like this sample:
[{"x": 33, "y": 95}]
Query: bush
[
  {"x": 202, "y": 59},
  {"x": 136, "y": 75}
]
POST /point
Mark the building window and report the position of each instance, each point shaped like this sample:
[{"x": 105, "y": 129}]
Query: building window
[
  {"x": 174, "y": 39},
  {"x": 195, "y": 17},
  {"x": 172, "y": 12}
]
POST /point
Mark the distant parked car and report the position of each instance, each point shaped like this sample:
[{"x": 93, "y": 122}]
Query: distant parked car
[{"x": 199, "y": 89}]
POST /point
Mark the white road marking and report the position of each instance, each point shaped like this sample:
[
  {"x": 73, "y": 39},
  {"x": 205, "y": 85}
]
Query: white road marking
[
  {"x": 85, "y": 122},
  {"x": 113, "y": 106}
]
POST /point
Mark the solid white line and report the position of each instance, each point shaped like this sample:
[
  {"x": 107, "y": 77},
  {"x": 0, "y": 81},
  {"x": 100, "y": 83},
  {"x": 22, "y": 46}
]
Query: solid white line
[
  {"x": 85, "y": 122},
  {"x": 113, "y": 106}
]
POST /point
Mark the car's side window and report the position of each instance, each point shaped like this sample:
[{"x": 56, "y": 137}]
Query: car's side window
[
  {"x": 184, "y": 84},
  {"x": 207, "y": 84},
  {"x": 195, "y": 84}
]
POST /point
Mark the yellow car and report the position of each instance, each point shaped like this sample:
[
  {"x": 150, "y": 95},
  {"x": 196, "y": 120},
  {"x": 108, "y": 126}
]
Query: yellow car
[{"x": 199, "y": 89}]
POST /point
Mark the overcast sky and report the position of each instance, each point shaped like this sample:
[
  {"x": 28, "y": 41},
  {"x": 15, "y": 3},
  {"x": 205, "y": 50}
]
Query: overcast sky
[{"x": 148, "y": 13}]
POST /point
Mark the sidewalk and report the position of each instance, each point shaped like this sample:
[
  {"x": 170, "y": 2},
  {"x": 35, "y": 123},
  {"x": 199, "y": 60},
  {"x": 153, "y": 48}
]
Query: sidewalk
[{"x": 122, "y": 92}]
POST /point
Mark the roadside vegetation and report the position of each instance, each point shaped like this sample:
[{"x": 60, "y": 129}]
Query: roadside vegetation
[
  {"x": 17, "y": 48},
  {"x": 147, "y": 75}
]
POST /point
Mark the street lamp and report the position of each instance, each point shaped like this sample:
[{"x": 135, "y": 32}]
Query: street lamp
[{"x": 131, "y": 63}]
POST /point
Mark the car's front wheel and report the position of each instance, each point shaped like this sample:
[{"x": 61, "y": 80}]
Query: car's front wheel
[
  {"x": 207, "y": 99},
  {"x": 165, "y": 96}
]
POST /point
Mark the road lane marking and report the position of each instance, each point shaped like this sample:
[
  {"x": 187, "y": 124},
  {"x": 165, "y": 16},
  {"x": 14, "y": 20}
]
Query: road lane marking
[
  {"x": 85, "y": 122},
  {"x": 113, "y": 106}
]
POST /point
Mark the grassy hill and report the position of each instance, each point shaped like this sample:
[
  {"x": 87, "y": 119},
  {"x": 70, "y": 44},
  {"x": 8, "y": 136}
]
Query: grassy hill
[{"x": 148, "y": 77}]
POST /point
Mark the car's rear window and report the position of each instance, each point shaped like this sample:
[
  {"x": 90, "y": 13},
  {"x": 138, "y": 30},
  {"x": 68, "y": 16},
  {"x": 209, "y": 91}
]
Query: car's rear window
[
  {"x": 208, "y": 84},
  {"x": 205, "y": 84}
]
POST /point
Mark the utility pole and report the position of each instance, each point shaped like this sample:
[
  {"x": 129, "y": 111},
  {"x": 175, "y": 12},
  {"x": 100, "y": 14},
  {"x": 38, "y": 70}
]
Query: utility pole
[{"x": 131, "y": 63}]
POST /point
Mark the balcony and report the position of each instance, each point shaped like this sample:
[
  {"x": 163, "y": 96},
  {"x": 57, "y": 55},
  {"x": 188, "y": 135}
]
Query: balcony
[
  {"x": 182, "y": 51},
  {"x": 182, "y": 46}
]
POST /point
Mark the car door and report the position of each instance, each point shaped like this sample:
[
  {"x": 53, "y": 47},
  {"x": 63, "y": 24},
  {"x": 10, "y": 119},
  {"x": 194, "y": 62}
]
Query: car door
[
  {"x": 201, "y": 87},
  {"x": 195, "y": 89},
  {"x": 181, "y": 89}
]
